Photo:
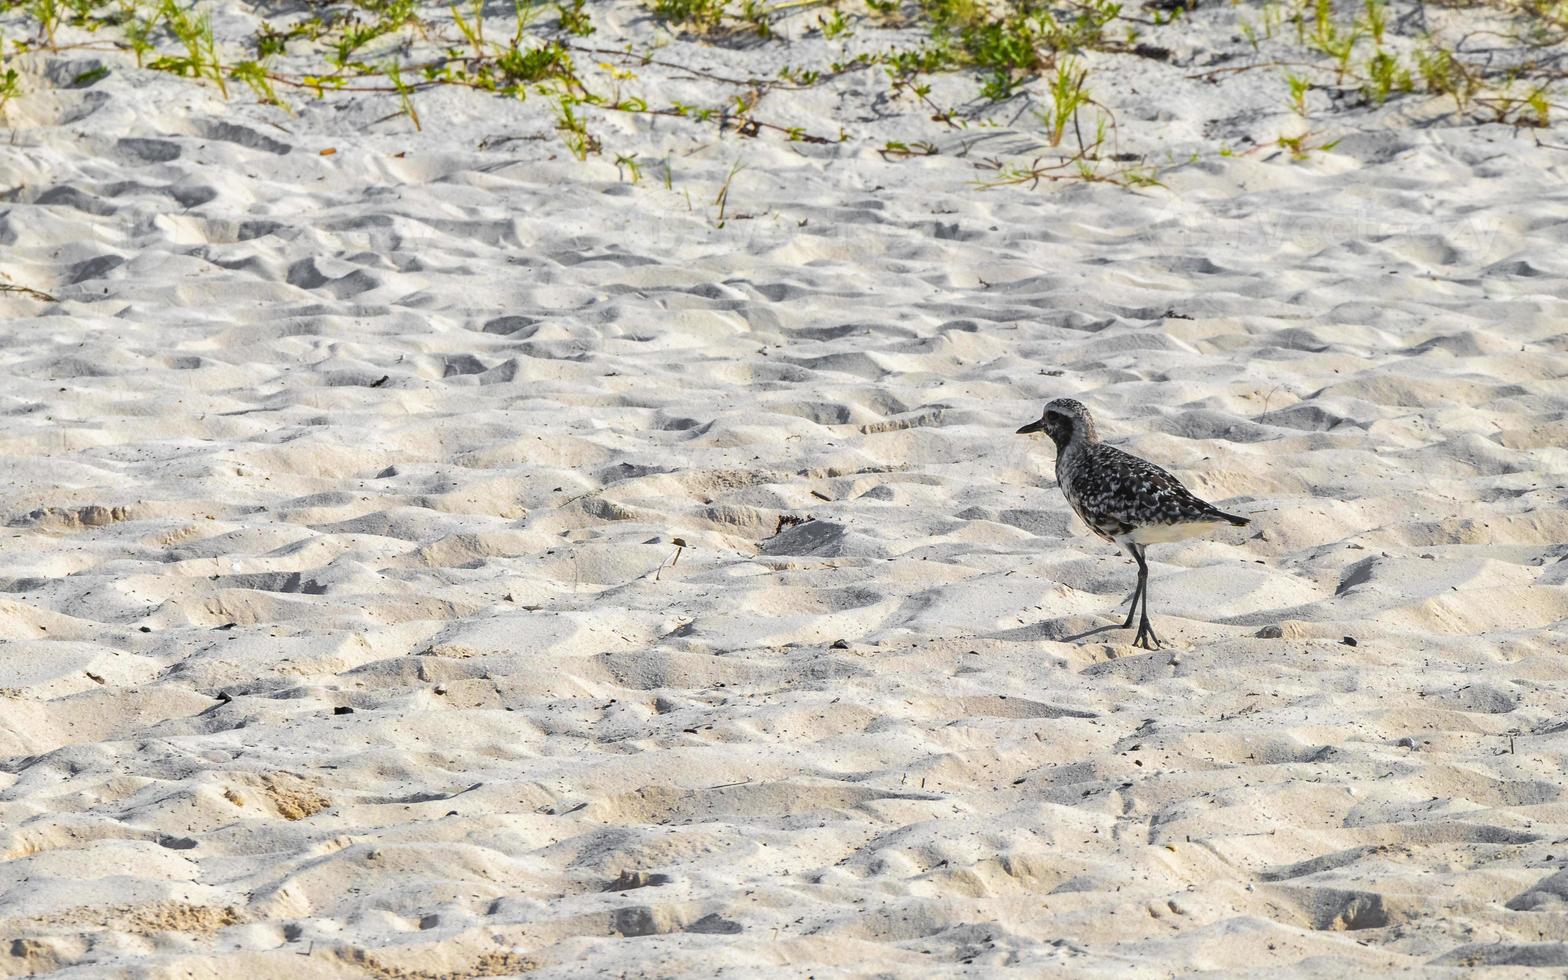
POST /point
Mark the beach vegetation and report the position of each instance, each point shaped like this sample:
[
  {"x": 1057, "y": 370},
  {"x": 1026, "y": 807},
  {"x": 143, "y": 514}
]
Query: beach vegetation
[
  {"x": 194, "y": 33},
  {"x": 899, "y": 150},
  {"x": 834, "y": 26},
  {"x": 1255, "y": 32},
  {"x": 1374, "y": 21},
  {"x": 28, "y": 291},
  {"x": 573, "y": 17},
  {"x": 700, "y": 16},
  {"x": 722, "y": 199},
  {"x": 1385, "y": 76},
  {"x": 1300, "y": 86},
  {"x": 1068, "y": 95},
  {"x": 405, "y": 95},
  {"x": 10, "y": 86},
  {"x": 1020, "y": 60},
  {"x": 1303, "y": 145},
  {"x": 1444, "y": 74},
  {"x": 253, "y": 75},
  {"x": 49, "y": 14},
  {"x": 573, "y": 128}
]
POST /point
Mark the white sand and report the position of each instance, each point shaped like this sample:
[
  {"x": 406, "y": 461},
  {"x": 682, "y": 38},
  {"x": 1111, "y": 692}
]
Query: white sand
[{"x": 410, "y": 429}]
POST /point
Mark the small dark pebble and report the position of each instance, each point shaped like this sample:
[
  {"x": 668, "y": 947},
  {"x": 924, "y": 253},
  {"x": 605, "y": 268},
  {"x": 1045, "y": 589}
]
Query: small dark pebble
[
  {"x": 146, "y": 629},
  {"x": 342, "y": 709},
  {"x": 1349, "y": 641}
]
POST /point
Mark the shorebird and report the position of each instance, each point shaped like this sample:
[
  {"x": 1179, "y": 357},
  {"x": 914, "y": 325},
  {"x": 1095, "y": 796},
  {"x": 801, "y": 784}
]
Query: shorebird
[{"x": 1125, "y": 500}]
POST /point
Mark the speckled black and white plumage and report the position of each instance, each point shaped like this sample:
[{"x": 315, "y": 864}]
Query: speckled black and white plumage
[
  {"x": 1117, "y": 494},
  {"x": 1123, "y": 499}
]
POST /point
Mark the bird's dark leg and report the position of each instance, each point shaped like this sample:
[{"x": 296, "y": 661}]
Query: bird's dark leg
[
  {"x": 1137, "y": 593},
  {"x": 1145, "y": 637}
]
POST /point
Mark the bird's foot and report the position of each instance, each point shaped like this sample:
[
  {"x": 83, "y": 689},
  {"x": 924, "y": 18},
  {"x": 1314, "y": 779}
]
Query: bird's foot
[{"x": 1146, "y": 637}]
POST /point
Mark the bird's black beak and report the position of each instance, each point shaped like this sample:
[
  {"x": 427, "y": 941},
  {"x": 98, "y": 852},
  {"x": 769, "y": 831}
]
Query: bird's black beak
[{"x": 1034, "y": 426}]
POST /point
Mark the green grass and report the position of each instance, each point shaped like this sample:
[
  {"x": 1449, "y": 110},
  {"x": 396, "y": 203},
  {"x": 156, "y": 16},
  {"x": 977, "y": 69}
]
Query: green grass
[
  {"x": 10, "y": 87},
  {"x": 722, "y": 200},
  {"x": 1068, "y": 95},
  {"x": 1384, "y": 77},
  {"x": 703, "y": 16},
  {"x": 1299, "y": 86},
  {"x": 1021, "y": 59}
]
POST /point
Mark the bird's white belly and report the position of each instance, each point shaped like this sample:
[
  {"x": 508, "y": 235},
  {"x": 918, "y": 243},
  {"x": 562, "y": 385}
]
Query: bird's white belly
[{"x": 1162, "y": 533}]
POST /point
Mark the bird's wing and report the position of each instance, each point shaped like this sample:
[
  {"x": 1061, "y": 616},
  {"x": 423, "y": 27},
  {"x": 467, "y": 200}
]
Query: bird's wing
[{"x": 1137, "y": 493}]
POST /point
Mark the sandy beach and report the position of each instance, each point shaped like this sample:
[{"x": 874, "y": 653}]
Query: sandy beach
[{"x": 430, "y": 554}]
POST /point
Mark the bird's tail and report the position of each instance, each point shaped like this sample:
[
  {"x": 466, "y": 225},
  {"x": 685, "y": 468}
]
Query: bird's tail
[{"x": 1237, "y": 521}]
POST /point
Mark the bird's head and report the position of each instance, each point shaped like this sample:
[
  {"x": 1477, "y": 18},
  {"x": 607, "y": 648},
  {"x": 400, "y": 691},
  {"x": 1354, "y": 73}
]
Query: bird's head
[{"x": 1063, "y": 420}]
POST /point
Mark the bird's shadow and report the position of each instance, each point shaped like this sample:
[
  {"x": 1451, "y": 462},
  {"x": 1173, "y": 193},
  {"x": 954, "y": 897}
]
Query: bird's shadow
[
  {"x": 1094, "y": 632},
  {"x": 1044, "y": 630}
]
